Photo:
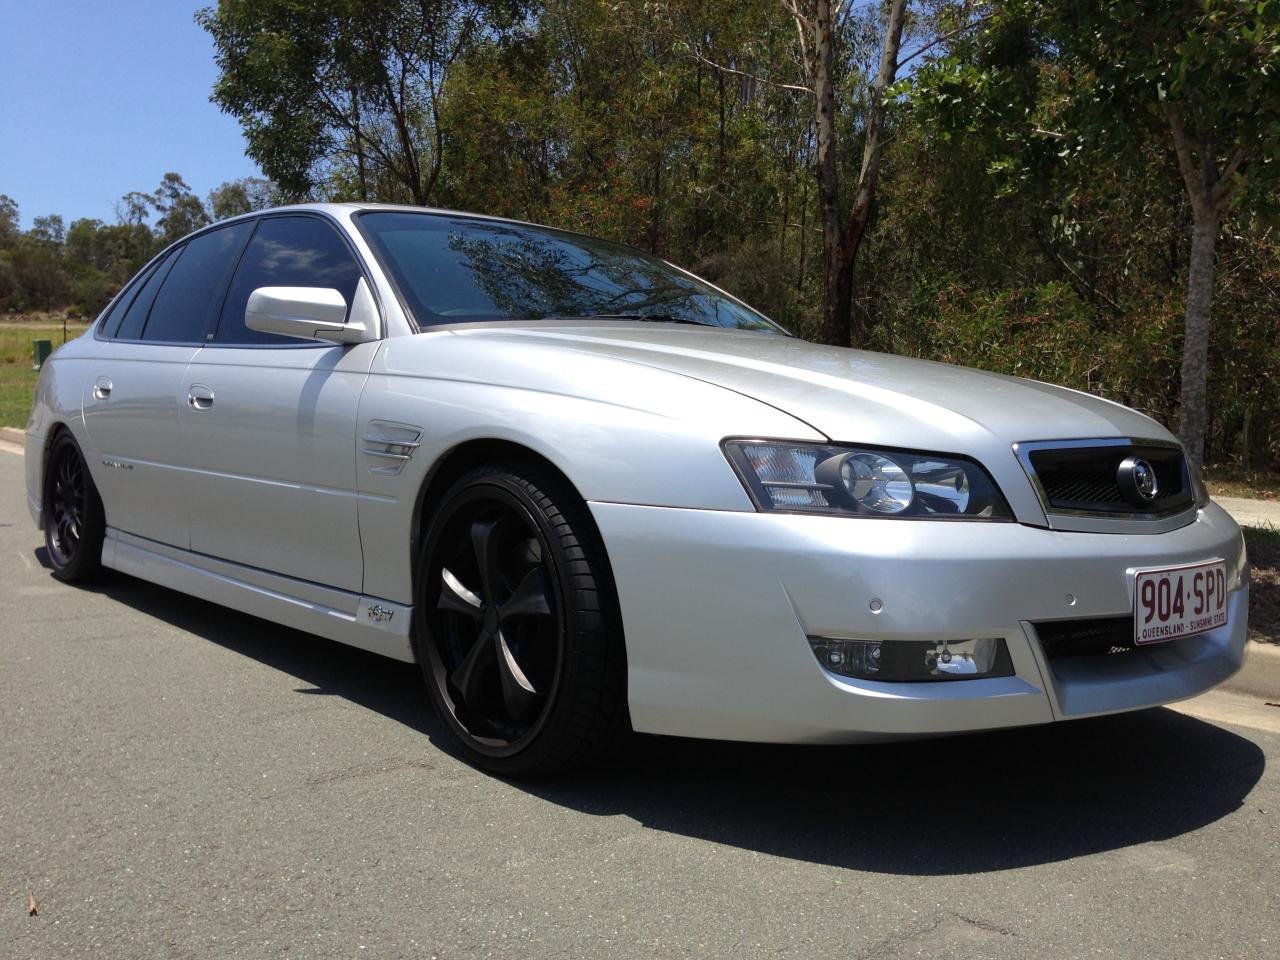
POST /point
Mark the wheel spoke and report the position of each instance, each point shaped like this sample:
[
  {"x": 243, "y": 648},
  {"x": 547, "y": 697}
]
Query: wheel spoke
[
  {"x": 529, "y": 599},
  {"x": 468, "y": 678},
  {"x": 483, "y": 542},
  {"x": 456, "y": 598},
  {"x": 518, "y": 694},
  {"x": 529, "y": 552},
  {"x": 497, "y": 646}
]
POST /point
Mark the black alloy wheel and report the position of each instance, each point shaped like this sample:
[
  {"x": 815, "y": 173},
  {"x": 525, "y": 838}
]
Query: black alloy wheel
[
  {"x": 74, "y": 525},
  {"x": 517, "y": 626}
]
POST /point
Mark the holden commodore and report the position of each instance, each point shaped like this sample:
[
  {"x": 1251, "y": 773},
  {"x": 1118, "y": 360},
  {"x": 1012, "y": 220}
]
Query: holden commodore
[{"x": 590, "y": 493}]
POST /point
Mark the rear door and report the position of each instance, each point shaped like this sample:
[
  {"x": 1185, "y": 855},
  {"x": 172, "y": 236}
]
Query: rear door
[
  {"x": 270, "y": 426},
  {"x": 132, "y": 398}
]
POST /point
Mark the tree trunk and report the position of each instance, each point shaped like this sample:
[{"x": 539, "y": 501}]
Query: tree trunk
[
  {"x": 842, "y": 243},
  {"x": 1192, "y": 417},
  {"x": 1210, "y": 194},
  {"x": 872, "y": 153},
  {"x": 361, "y": 176},
  {"x": 835, "y": 321}
]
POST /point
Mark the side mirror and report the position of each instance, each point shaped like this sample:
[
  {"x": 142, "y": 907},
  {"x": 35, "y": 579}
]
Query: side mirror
[{"x": 313, "y": 313}]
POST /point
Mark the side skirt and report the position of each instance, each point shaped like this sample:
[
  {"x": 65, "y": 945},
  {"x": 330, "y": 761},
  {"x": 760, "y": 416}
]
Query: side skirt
[{"x": 370, "y": 623}]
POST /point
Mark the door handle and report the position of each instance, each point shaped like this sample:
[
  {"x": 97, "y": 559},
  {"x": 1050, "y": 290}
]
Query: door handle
[
  {"x": 102, "y": 389},
  {"x": 199, "y": 397}
]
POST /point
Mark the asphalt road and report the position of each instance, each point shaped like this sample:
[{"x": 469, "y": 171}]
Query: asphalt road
[{"x": 180, "y": 780}]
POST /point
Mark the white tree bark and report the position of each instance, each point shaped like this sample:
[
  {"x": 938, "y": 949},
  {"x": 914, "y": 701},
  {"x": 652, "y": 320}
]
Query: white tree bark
[{"x": 1210, "y": 193}]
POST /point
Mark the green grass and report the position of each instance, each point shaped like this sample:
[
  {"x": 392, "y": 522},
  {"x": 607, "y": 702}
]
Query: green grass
[{"x": 17, "y": 379}]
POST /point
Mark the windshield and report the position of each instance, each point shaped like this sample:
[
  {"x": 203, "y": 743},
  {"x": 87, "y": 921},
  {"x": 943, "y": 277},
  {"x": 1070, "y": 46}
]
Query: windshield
[{"x": 453, "y": 269}]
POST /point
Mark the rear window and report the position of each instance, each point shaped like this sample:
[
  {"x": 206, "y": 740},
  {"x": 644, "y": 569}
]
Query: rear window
[{"x": 192, "y": 292}]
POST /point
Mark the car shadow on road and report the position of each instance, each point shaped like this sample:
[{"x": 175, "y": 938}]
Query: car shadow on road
[{"x": 965, "y": 804}]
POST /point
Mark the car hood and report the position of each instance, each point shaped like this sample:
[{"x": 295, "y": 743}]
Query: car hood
[{"x": 852, "y": 396}]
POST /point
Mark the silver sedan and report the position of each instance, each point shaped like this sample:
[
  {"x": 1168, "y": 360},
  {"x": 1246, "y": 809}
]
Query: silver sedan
[{"x": 590, "y": 493}]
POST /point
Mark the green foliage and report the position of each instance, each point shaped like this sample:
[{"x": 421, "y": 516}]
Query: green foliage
[
  {"x": 344, "y": 94},
  {"x": 1030, "y": 217},
  {"x": 17, "y": 378},
  {"x": 78, "y": 269},
  {"x": 241, "y": 196}
]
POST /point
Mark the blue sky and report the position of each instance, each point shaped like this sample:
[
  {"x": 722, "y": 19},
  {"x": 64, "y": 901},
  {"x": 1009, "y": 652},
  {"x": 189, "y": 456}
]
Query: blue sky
[{"x": 100, "y": 97}]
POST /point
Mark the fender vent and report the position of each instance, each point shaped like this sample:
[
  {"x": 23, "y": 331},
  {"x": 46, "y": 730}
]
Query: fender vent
[{"x": 389, "y": 446}]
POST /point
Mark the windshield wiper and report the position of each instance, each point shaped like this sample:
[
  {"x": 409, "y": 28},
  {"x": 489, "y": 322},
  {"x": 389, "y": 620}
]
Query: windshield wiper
[{"x": 644, "y": 317}]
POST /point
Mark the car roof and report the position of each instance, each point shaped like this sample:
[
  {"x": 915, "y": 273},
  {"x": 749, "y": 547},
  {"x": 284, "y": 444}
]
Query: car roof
[{"x": 358, "y": 206}]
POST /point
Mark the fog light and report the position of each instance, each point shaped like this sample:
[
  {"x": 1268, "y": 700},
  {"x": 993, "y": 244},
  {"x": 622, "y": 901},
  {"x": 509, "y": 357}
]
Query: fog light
[{"x": 914, "y": 660}]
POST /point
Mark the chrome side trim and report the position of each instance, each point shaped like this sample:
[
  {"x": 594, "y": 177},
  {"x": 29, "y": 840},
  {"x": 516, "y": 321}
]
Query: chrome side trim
[{"x": 1101, "y": 521}]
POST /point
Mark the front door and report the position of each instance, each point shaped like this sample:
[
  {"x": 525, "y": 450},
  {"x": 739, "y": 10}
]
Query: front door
[{"x": 268, "y": 423}]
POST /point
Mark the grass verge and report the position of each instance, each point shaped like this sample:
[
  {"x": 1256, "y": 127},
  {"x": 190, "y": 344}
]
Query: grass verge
[
  {"x": 17, "y": 379},
  {"x": 1231, "y": 481}
]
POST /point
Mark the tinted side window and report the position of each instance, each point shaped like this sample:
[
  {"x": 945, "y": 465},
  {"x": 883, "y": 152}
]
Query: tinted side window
[
  {"x": 111, "y": 322},
  {"x": 287, "y": 252},
  {"x": 134, "y": 309},
  {"x": 192, "y": 292}
]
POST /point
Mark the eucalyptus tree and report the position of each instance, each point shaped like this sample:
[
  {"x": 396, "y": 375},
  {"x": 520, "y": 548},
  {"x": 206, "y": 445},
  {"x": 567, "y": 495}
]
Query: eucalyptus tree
[
  {"x": 241, "y": 196},
  {"x": 1080, "y": 86},
  {"x": 345, "y": 96}
]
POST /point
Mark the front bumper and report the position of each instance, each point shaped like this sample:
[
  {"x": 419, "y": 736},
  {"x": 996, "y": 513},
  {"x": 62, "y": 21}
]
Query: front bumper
[{"x": 717, "y": 607}]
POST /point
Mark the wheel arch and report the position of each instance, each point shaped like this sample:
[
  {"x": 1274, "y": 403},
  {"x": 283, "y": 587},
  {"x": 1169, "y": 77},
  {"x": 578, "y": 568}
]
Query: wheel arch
[
  {"x": 455, "y": 463},
  {"x": 56, "y": 429}
]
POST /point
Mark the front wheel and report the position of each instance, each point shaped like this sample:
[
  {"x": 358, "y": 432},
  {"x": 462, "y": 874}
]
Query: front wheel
[
  {"x": 74, "y": 524},
  {"x": 517, "y": 626}
]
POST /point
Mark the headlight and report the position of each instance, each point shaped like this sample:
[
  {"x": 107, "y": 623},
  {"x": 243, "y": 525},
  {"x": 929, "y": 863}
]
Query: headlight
[{"x": 852, "y": 481}]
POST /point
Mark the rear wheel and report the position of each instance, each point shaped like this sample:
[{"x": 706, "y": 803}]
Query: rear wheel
[
  {"x": 517, "y": 626},
  {"x": 74, "y": 524}
]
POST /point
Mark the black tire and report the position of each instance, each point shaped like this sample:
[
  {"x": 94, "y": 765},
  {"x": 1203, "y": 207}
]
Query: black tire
[
  {"x": 517, "y": 626},
  {"x": 74, "y": 521}
]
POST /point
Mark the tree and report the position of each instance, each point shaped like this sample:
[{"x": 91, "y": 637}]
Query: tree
[
  {"x": 10, "y": 222},
  {"x": 241, "y": 196},
  {"x": 179, "y": 211},
  {"x": 134, "y": 208},
  {"x": 824, "y": 58},
  {"x": 344, "y": 96},
  {"x": 48, "y": 230},
  {"x": 1200, "y": 77}
]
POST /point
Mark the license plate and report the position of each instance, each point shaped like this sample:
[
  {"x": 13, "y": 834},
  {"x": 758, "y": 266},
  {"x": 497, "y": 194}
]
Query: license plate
[{"x": 1179, "y": 601}]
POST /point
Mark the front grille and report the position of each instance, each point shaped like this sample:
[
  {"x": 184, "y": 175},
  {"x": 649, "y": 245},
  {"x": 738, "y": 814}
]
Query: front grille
[
  {"x": 1082, "y": 478},
  {"x": 1086, "y": 638}
]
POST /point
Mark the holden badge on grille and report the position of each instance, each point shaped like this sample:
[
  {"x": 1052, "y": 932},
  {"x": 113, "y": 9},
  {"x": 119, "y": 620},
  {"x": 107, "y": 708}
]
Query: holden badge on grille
[{"x": 1137, "y": 479}]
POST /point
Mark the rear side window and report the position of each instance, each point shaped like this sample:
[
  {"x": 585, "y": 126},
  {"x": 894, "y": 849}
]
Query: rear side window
[
  {"x": 192, "y": 292},
  {"x": 111, "y": 322},
  {"x": 287, "y": 252},
  {"x": 134, "y": 309}
]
